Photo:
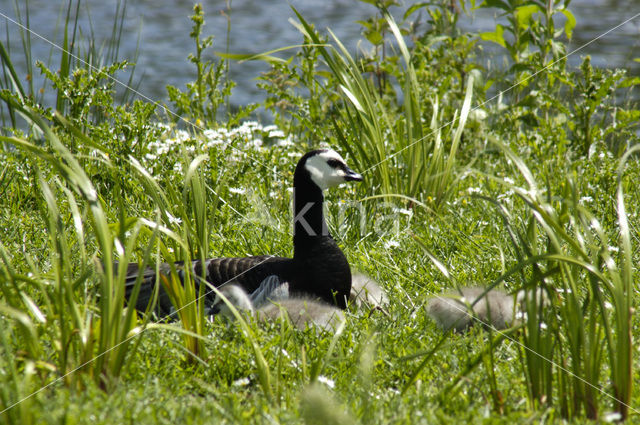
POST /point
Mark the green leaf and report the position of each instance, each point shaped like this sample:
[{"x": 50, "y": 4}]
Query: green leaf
[
  {"x": 570, "y": 24},
  {"x": 414, "y": 8},
  {"x": 265, "y": 56},
  {"x": 496, "y": 36},
  {"x": 496, "y": 3},
  {"x": 629, "y": 82},
  {"x": 524, "y": 13},
  {"x": 374, "y": 37}
]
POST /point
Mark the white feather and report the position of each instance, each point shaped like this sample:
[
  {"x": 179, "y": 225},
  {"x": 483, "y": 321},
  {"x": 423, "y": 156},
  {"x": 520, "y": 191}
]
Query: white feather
[{"x": 322, "y": 174}]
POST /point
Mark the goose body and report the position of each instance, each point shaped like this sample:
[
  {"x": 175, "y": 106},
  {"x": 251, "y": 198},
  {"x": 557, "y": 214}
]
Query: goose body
[
  {"x": 318, "y": 268},
  {"x": 301, "y": 311}
]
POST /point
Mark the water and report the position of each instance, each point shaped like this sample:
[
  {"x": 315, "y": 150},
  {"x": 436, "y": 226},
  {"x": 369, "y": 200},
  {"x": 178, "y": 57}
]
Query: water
[{"x": 262, "y": 25}]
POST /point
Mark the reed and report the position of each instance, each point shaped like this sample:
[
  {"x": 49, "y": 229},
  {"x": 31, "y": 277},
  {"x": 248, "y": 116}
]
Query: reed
[
  {"x": 399, "y": 152},
  {"x": 567, "y": 251}
]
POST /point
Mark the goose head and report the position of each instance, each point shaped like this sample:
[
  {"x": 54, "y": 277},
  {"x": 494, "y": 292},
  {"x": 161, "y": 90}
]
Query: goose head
[{"x": 326, "y": 168}]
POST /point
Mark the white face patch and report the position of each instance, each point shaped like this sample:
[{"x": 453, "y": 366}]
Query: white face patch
[{"x": 323, "y": 174}]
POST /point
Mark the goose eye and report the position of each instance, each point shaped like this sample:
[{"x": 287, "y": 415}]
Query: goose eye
[{"x": 334, "y": 163}]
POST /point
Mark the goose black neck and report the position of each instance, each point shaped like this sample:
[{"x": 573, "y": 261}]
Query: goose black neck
[{"x": 309, "y": 225}]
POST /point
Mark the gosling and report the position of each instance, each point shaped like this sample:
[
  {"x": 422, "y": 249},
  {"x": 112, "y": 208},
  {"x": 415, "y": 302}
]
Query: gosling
[
  {"x": 495, "y": 308},
  {"x": 302, "y": 312},
  {"x": 366, "y": 292}
]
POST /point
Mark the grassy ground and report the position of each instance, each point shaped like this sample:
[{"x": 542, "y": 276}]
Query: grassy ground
[
  {"x": 362, "y": 377},
  {"x": 533, "y": 198}
]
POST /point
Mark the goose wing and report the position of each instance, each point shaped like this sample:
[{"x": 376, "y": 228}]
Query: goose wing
[{"x": 247, "y": 272}]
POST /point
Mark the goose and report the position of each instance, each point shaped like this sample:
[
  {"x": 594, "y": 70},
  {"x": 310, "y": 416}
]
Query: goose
[
  {"x": 318, "y": 268},
  {"x": 301, "y": 311},
  {"x": 493, "y": 308}
]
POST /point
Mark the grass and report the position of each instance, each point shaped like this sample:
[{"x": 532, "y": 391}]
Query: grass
[{"x": 506, "y": 210}]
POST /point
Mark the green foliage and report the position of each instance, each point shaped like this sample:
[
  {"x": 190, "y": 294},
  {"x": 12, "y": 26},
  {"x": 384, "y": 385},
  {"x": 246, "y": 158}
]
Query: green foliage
[
  {"x": 557, "y": 108},
  {"x": 86, "y": 95},
  {"x": 84, "y": 87},
  {"x": 408, "y": 144},
  {"x": 80, "y": 323},
  {"x": 302, "y": 115},
  {"x": 563, "y": 248},
  {"x": 201, "y": 102},
  {"x": 535, "y": 191},
  {"x": 533, "y": 38}
]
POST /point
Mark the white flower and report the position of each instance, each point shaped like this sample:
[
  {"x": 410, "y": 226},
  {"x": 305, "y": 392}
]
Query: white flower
[
  {"x": 402, "y": 211},
  {"x": 391, "y": 244},
  {"x": 477, "y": 114},
  {"x": 276, "y": 134},
  {"x": 611, "y": 417},
  {"x": 214, "y": 137},
  {"x": 237, "y": 190},
  {"x": 242, "y": 382},
  {"x": 182, "y": 136},
  {"x": 285, "y": 142},
  {"x": 255, "y": 143},
  {"x": 172, "y": 219},
  {"x": 328, "y": 382},
  {"x": 270, "y": 127}
]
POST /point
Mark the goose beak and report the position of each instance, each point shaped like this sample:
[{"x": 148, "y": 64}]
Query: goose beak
[{"x": 351, "y": 175}]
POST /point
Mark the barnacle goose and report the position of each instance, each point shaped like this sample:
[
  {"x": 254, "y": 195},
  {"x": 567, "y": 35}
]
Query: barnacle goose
[
  {"x": 492, "y": 307},
  {"x": 318, "y": 268},
  {"x": 301, "y": 311}
]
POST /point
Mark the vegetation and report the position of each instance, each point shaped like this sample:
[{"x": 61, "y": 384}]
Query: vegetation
[{"x": 523, "y": 177}]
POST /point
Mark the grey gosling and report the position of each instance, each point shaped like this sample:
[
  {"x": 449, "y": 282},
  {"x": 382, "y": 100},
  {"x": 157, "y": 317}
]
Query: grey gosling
[
  {"x": 496, "y": 308},
  {"x": 366, "y": 292},
  {"x": 302, "y": 312}
]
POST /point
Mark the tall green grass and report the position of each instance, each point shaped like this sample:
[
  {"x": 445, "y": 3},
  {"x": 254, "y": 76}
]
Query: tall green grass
[
  {"x": 587, "y": 271},
  {"x": 396, "y": 149},
  {"x": 575, "y": 346},
  {"x": 77, "y": 305}
]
